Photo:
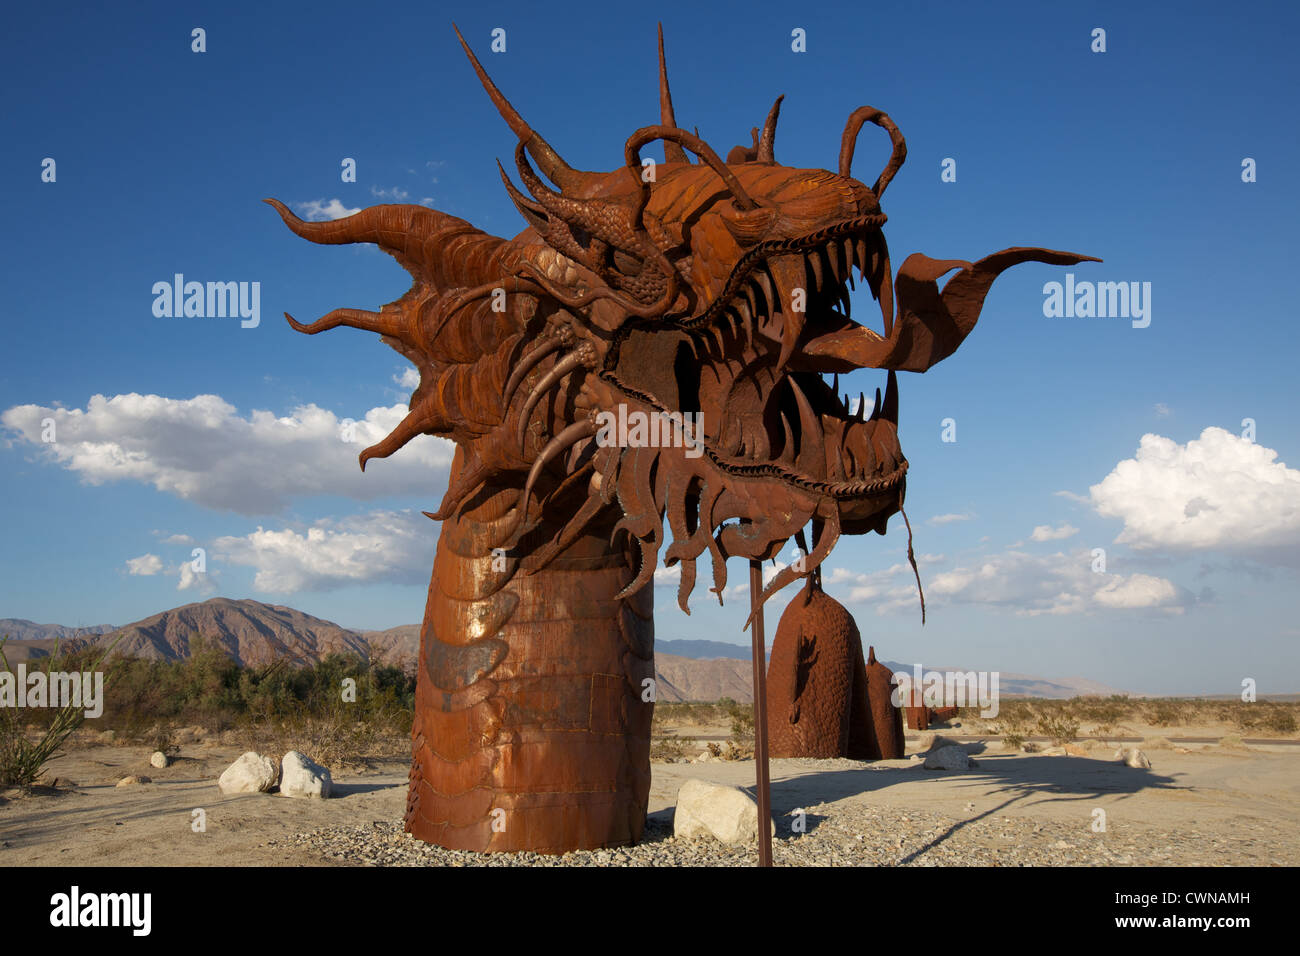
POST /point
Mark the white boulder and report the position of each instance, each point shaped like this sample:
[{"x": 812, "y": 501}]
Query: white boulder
[
  {"x": 300, "y": 776},
  {"x": 728, "y": 814},
  {"x": 251, "y": 773},
  {"x": 948, "y": 758},
  {"x": 158, "y": 760},
  {"x": 1133, "y": 758}
]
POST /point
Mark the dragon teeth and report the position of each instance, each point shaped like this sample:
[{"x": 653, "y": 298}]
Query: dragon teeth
[
  {"x": 814, "y": 260},
  {"x": 765, "y": 287}
]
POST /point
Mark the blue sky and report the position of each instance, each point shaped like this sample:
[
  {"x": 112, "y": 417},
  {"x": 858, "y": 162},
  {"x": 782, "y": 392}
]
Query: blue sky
[{"x": 226, "y": 438}]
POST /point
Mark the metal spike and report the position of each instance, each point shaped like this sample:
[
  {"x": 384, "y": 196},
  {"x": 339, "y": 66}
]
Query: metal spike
[
  {"x": 889, "y": 411},
  {"x": 787, "y": 450},
  {"x": 813, "y": 443},
  {"x": 765, "y": 286}
]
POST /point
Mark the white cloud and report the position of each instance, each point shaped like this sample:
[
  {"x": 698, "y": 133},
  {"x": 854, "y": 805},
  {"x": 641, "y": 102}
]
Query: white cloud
[
  {"x": 1024, "y": 584},
  {"x": 950, "y": 518},
  {"x": 887, "y": 590},
  {"x": 315, "y": 210},
  {"x": 409, "y": 378},
  {"x": 388, "y": 546},
  {"x": 200, "y": 449},
  {"x": 1080, "y": 499},
  {"x": 1163, "y": 410},
  {"x": 1137, "y": 590},
  {"x": 1217, "y": 492},
  {"x": 1047, "y": 533},
  {"x": 146, "y": 564},
  {"x": 178, "y": 539},
  {"x": 396, "y": 194},
  {"x": 191, "y": 580},
  {"x": 1058, "y": 583},
  {"x": 666, "y": 577}
]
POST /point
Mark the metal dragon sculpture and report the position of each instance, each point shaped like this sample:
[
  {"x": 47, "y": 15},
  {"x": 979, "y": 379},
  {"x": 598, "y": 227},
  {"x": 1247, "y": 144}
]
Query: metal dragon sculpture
[{"x": 718, "y": 289}]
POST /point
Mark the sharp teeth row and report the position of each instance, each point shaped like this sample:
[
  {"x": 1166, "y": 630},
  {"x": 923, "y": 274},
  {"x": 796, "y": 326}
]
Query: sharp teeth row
[{"x": 835, "y": 261}]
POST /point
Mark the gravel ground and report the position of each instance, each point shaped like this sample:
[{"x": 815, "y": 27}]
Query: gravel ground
[{"x": 840, "y": 834}]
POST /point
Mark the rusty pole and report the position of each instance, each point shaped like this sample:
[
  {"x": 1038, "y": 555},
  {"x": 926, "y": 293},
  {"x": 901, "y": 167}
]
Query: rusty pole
[{"x": 762, "y": 782}]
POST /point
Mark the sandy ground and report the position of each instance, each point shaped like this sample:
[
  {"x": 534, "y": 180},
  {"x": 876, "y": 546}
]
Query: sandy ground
[{"x": 1221, "y": 794}]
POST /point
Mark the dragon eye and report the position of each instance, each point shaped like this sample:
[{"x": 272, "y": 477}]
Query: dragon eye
[{"x": 748, "y": 225}]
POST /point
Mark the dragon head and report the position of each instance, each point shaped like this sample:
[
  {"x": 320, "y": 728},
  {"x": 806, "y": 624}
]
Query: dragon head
[{"x": 658, "y": 342}]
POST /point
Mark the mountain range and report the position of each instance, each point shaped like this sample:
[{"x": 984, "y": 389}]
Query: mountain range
[{"x": 253, "y": 633}]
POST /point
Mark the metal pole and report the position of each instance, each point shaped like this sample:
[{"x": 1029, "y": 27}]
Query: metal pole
[{"x": 763, "y": 784}]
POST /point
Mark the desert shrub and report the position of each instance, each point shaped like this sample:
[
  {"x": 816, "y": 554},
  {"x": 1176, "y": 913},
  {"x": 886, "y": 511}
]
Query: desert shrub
[
  {"x": 741, "y": 717},
  {"x": 274, "y": 702},
  {"x": 1105, "y": 712},
  {"x": 1167, "y": 712},
  {"x": 23, "y": 757},
  {"x": 1059, "y": 726},
  {"x": 669, "y": 749}
]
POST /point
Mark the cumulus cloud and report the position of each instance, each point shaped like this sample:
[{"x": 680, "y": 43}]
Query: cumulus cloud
[
  {"x": 315, "y": 210},
  {"x": 388, "y": 546},
  {"x": 178, "y": 539},
  {"x": 191, "y": 580},
  {"x": 202, "y": 450},
  {"x": 409, "y": 378},
  {"x": 887, "y": 590},
  {"x": 1047, "y": 533},
  {"x": 1217, "y": 492},
  {"x": 950, "y": 518},
  {"x": 1059, "y": 583},
  {"x": 146, "y": 564}
]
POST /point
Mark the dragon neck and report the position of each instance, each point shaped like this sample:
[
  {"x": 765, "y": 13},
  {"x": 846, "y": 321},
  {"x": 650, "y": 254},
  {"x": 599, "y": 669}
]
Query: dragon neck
[{"x": 530, "y": 732}]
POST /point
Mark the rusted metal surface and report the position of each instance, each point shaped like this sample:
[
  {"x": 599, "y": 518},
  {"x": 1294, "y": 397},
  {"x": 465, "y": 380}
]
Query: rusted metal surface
[
  {"x": 761, "y": 783},
  {"x": 919, "y": 716},
  {"x": 824, "y": 700},
  {"x": 717, "y": 289}
]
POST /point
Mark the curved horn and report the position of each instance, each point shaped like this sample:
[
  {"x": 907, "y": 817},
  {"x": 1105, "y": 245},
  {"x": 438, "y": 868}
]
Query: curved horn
[
  {"x": 526, "y": 363},
  {"x": 390, "y": 323},
  {"x": 561, "y": 368},
  {"x": 869, "y": 114},
  {"x": 418, "y": 421},
  {"x": 569, "y": 436},
  {"x": 555, "y": 168},
  {"x": 767, "y": 141},
  {"x": 673, "y": 152},
  {"x": 632, "y": 155}
]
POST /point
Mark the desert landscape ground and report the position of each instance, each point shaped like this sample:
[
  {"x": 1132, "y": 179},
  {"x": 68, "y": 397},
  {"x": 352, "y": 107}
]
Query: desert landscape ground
[{"x": 1222, "y": 804}]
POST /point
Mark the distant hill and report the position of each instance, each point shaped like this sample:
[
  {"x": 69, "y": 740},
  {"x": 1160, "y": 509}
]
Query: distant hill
[
  {"x": 683, "y": 678},
  {"x": 703, "y": 650},
  {"x": 253, "y": 633},
  {"x": 1012, "y": 685},
  {"x": 17, "y": 629},
  {"x": 248, "y": 631}
]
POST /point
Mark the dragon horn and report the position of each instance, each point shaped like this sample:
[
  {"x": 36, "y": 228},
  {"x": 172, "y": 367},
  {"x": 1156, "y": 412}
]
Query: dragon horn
[
  {"x": 767, "y": 141},
  {"x": 673, "y": 152},
  {"x": 552, "y": 166}
]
